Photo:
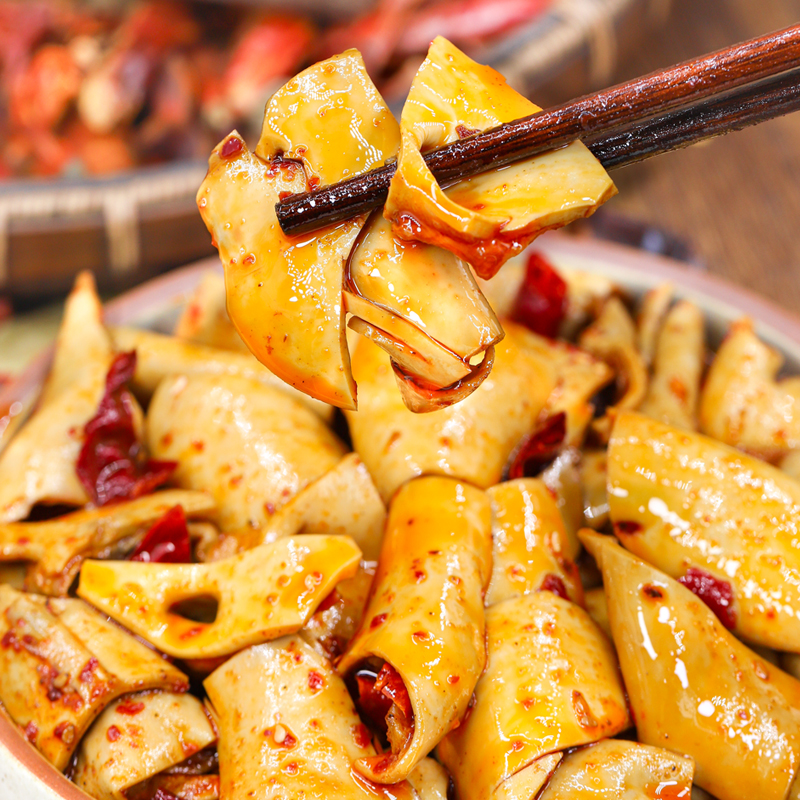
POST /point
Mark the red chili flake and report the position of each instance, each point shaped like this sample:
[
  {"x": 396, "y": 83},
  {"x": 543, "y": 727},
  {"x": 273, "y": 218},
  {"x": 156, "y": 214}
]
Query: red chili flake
[
  {"x": 420, "y": 575},
  {"x": 361, "y": 735},
  {"x": 23, "y": 540},
  {"x": 192, "y": 632},
  {"x": 130, "y": 708},
  {"x": 113, "y": 733},
  {"x": 652, "y": 592},
  {"x": 453, "y": 679},
  {"x": 315, "y": 681},
  {"x": 87, "y": 673},
  {"x": 65, "y": 731},
  {"x": 291, "y": 768},
  {"x": 627, "y": 527},
  {"x": 553, "y": 583},
  {"x": 383, "y": 763},
  {"x": 31, "y": 731},
  {"x": 231, "y": 147},
  {"x": 536, "y": 451},
  {"x": 167, "y": 540},
  {"x": 10, "y": 640},
  {"x": 390, "y": 684},
  {"x": 715, "y": 593},
  {"x": 377, "y": 620},
  {"x": 517, "y": 745},
  {"x": 111, "y": 465},
  {"x": 542, "y": 299}
]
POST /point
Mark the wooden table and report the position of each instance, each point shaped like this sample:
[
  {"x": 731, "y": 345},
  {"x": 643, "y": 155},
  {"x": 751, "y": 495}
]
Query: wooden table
[{"x": 736, "y": 200}]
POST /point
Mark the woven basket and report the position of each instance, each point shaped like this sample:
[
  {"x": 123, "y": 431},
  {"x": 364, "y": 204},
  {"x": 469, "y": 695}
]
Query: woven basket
[{"x": 129, "y": 227}]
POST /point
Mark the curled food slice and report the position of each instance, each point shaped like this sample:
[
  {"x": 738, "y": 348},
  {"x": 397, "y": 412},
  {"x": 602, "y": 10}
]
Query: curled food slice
[
  {"x": 158, "y": 356},
  {"x": 343, "y": 502},
  {"x": 137, "y": 737},
  {"x": 38, "y": 465},
  {"x": 285, "y": 295},
  {"x": 489, "y": 218},
  {"x": 251, "y": 446},
  {"x": 260, "y": 595},
  {"x": 620, "y": 770},
  {"x": 530, "y": 550},
  {"x": 60, "y": 666},
  {"x": 55, "y": 549},
  {"x": 551, "y": 682},
  {"x": 288, "y": 728},
  {"x": 721, "y": 521},
  {"x": 612, "y": 338},
  {"x": 421, "y": 304},
  {"x": 422, "y": 632},
  {"x": 471, "y": 440},
  {"x": 721, "y": 703},
  {"x": 742, "y": 402},
  {"x": 678, "y": 361}
]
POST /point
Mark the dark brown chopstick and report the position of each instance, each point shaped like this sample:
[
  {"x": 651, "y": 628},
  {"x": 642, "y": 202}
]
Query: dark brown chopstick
[{"x": 625, "y": 123}]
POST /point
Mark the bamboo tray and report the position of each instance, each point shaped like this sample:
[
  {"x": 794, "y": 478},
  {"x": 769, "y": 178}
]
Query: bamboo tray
[{"x": 129, "y": 227}]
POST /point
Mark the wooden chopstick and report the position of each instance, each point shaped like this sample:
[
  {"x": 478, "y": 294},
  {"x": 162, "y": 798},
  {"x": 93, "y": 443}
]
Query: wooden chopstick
[{"x": 667, "y": 109}]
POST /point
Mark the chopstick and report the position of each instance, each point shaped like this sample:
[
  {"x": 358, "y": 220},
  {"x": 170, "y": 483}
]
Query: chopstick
[{"x": 668, "y": 109}]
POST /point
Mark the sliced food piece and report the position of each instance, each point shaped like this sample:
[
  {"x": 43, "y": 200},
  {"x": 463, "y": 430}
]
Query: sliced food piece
[
  {"x": 288, "y": 728},
  {"x": 721, "y": 703},
  {"x": 420, "y": 650},
  {"x": 489, "y": 218},
  {"x": 722, "y": 522},
  {"x": 251, "y": 447},
  {"x": 551, "y": 682},
  {"x": 618, "y": 770},
  {"x": 137, "y": 737},
  {"x": 55, "y": 549},
  {"x": 257, "y": 596},
  {"x": 60, "y": 667},
  {"x": 38, "y": 465}
]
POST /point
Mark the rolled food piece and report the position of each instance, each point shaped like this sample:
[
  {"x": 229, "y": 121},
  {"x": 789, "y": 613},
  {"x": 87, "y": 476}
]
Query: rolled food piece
[
  {"x": 722, "y": 522},
  {"x": 288, "y": 728},
  {"x": 530, "y": 550},
  {"x": 732, "y": 711},
  {"x": 551, "y": 683},
  {"x": 420, "y": 649}
]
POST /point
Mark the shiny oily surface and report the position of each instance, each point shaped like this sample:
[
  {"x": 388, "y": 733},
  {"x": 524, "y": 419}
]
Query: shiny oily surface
[
  {"x": 471, "y": 439},
  {"x": 618, "y": 770},
  {"x": 425, "y": 616},
  {"x": 262, "y": 594},
  {"x": 137, "y": 737},
  {"x": 722, "y": 704},
  {"x": 679, "y": 499},
  {"x": 551, "y": 682},
  {"x": 250, "y": 446},
  {"x": 529, "y": 542},
  {"x": 291, "y": 698},
  {"x": 489, "y": 218}
]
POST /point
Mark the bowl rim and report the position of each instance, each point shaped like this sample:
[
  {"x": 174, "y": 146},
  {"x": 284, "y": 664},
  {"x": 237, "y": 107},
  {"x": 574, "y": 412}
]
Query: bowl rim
[{"x": 634, "y": 269}]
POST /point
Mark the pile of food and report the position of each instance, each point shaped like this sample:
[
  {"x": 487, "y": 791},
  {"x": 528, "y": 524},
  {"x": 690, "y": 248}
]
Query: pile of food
[{"x": 578, "y": 580}]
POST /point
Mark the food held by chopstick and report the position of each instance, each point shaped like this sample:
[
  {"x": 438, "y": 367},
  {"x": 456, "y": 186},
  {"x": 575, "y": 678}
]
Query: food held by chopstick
[{"x": 407, "y": 286}]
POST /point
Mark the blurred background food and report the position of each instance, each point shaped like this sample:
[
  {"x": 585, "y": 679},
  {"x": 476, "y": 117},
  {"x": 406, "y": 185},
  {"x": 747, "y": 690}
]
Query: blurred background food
[{"x": 109, "y": 109}]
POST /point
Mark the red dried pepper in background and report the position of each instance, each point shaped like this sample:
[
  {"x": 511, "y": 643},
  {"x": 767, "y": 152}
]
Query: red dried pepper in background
[
  {"x": 167, "y": 541},
  {"x": 112, "y": 465},
  {"x": 542, "y": 300},
  {"x": 540, "y": 448}
]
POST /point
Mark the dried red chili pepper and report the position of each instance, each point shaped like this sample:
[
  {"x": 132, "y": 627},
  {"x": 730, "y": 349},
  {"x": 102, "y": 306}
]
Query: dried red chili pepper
[
  {"x": 167, "y": 541},
  {"x": 111, "y": 465},
  {"x": 541, "y": 303},
  {"x": 540, "y": 448},
  {"x": 390, "y": 685},
  {"x": 715, "y": 593},
  {"x": 372, "y": 704}
]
